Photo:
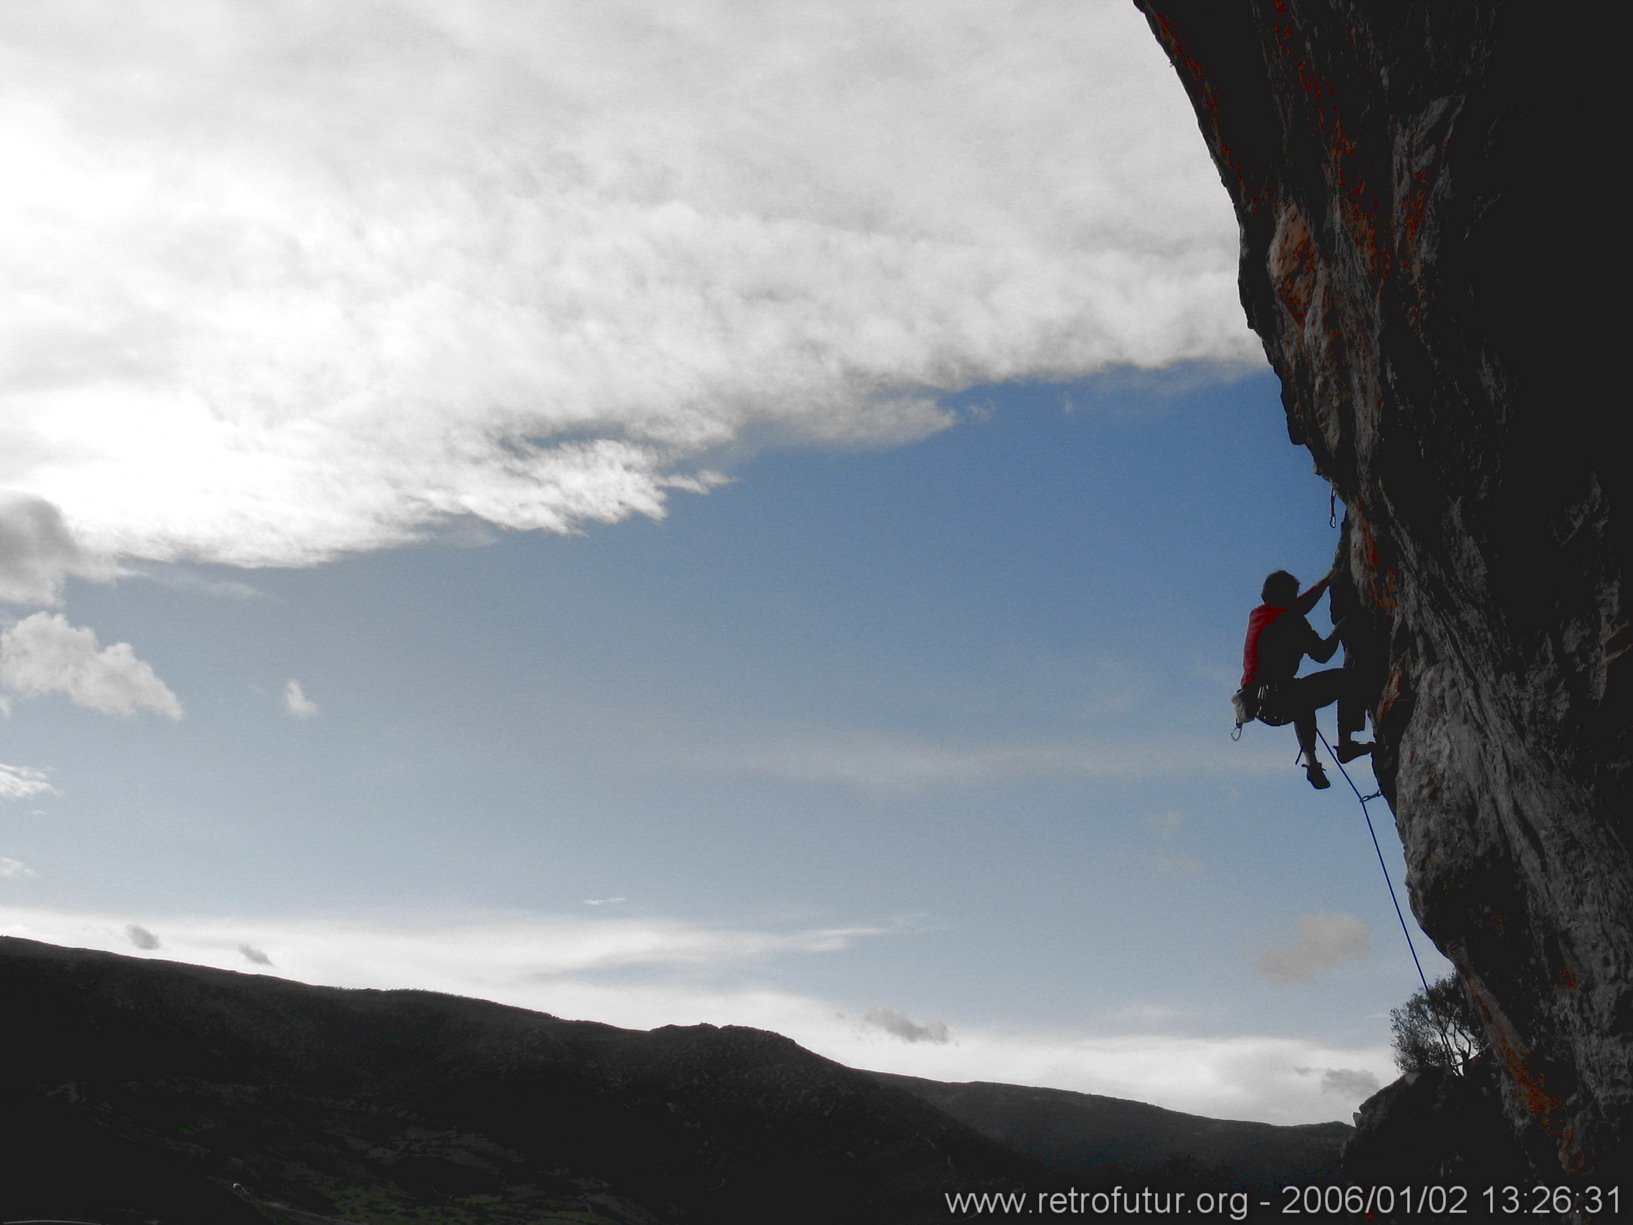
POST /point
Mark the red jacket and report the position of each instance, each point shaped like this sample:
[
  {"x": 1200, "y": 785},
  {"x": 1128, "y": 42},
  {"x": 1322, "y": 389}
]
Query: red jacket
[
  {"x": 1278, "y": 639},
  {"x": 1257, "y": 621}
]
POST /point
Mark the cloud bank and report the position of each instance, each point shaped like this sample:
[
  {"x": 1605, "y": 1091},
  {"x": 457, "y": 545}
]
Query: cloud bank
[
  {"x": 37, "y": 551},
  {"x": 293, "y": 281}
]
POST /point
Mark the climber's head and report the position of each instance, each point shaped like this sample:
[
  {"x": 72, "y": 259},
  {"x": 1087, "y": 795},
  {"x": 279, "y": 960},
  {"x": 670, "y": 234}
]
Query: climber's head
[{"x": 1280, "y": 588}]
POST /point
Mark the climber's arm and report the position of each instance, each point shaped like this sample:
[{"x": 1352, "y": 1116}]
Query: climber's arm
[
  {"x": 1321, "y": 649},
  {"x": 1311, "y": 598}
]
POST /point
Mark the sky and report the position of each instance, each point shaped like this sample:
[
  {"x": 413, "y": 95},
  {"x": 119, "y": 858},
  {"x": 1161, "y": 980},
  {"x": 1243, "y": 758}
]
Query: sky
[{"x": 707, "y": 512}]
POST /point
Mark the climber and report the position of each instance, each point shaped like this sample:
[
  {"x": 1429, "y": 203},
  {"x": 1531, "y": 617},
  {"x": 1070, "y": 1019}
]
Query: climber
[{"x": 1278, "y": 639}]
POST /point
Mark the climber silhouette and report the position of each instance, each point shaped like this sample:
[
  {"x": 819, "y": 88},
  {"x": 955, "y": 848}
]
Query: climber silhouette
[{"x": 1278, "y": 639}]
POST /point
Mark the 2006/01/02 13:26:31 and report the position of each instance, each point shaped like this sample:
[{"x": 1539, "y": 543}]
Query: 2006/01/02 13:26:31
[{"x": 1451, "y": 1200}]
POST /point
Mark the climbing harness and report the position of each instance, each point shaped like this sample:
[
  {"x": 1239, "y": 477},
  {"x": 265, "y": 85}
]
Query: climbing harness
[
  {"x": 1260, "y": 701},
  {"x": 1451, "y": 1059}
]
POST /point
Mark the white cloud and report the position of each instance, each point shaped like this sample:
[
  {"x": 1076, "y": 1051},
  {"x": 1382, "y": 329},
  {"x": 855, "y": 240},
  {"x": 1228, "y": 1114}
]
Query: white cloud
[
  {"x": 292, "y": 281},
  {"x": 21, "y": 782},
  {"x": 1244, "y": 1076},
  {"x": 537, "y": 962},
  {"x": 179, "y": 579},
  {"x": 1324, "y": 940},
  {"x": 503, "y": 953},
  {"x": 1356, "y": 1083},
  {"x": 898, "y": 1024},
  {"x": 513, "y": 949},
  {"x": 297, "y": 703},
  {"x": 43, "y": 653},
  {"x": 14, "y": 867}
]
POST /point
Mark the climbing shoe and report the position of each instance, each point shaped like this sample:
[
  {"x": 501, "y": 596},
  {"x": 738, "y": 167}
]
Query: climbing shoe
[
  {"x": 1352, "y": 750},
  {"x": 1317, "y": 776}
]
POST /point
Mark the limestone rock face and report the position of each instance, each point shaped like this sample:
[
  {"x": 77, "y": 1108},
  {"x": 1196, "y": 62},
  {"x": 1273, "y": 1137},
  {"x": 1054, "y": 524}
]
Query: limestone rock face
[
  {"x": 1436, "y": 1129},
  {"x": 1418, "y": 211}
]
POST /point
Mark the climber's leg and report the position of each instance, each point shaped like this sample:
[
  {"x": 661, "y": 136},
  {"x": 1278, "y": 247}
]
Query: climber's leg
[
  {"x": 1352, "y": 717},
  {"x": 1323, "y": 689},
  {"x": 1304, "y": 726}
]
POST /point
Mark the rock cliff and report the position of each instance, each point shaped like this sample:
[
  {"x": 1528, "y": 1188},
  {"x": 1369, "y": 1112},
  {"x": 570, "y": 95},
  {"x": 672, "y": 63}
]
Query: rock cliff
[{"x": 1418, "y": 216}]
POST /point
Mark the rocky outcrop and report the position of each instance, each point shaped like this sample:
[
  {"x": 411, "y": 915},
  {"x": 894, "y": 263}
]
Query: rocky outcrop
[
  {"x": 1416, "y": 226},
  {"x": 1434, "y": 1128}
]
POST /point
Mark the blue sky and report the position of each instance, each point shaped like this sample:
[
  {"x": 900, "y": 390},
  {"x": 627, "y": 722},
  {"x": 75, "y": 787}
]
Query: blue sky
[{"x": 704, "y": 565}]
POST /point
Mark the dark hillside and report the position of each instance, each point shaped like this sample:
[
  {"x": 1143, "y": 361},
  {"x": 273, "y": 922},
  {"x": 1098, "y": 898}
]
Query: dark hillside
[
  {"x": 150, "y": 1088},
  {"x": 1085, "y": 1135}
]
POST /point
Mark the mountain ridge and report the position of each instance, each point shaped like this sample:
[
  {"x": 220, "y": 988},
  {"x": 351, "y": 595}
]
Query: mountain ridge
[
  {"x": 1091, "y": 1134},
  {"x": 158, "y": 1090}
]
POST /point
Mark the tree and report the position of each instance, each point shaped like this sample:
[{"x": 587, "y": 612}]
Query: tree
[{"x": 1437, "y": 1030}]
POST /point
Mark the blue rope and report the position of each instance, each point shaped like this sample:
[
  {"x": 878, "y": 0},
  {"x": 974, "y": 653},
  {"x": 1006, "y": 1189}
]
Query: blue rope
[{"x": 1393, "y": 897}]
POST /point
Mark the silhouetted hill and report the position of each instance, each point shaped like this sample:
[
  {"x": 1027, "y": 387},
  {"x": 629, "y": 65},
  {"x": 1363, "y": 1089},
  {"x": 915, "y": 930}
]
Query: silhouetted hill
[
  {"x": 1087, "y": 1135},
  {"x": 150, "y": 1088},
  {"x": 141, "y": 1091}
]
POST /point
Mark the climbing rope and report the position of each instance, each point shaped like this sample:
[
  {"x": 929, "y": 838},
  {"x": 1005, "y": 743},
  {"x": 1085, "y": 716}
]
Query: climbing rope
[{"x": 1451, "y": 1059}]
